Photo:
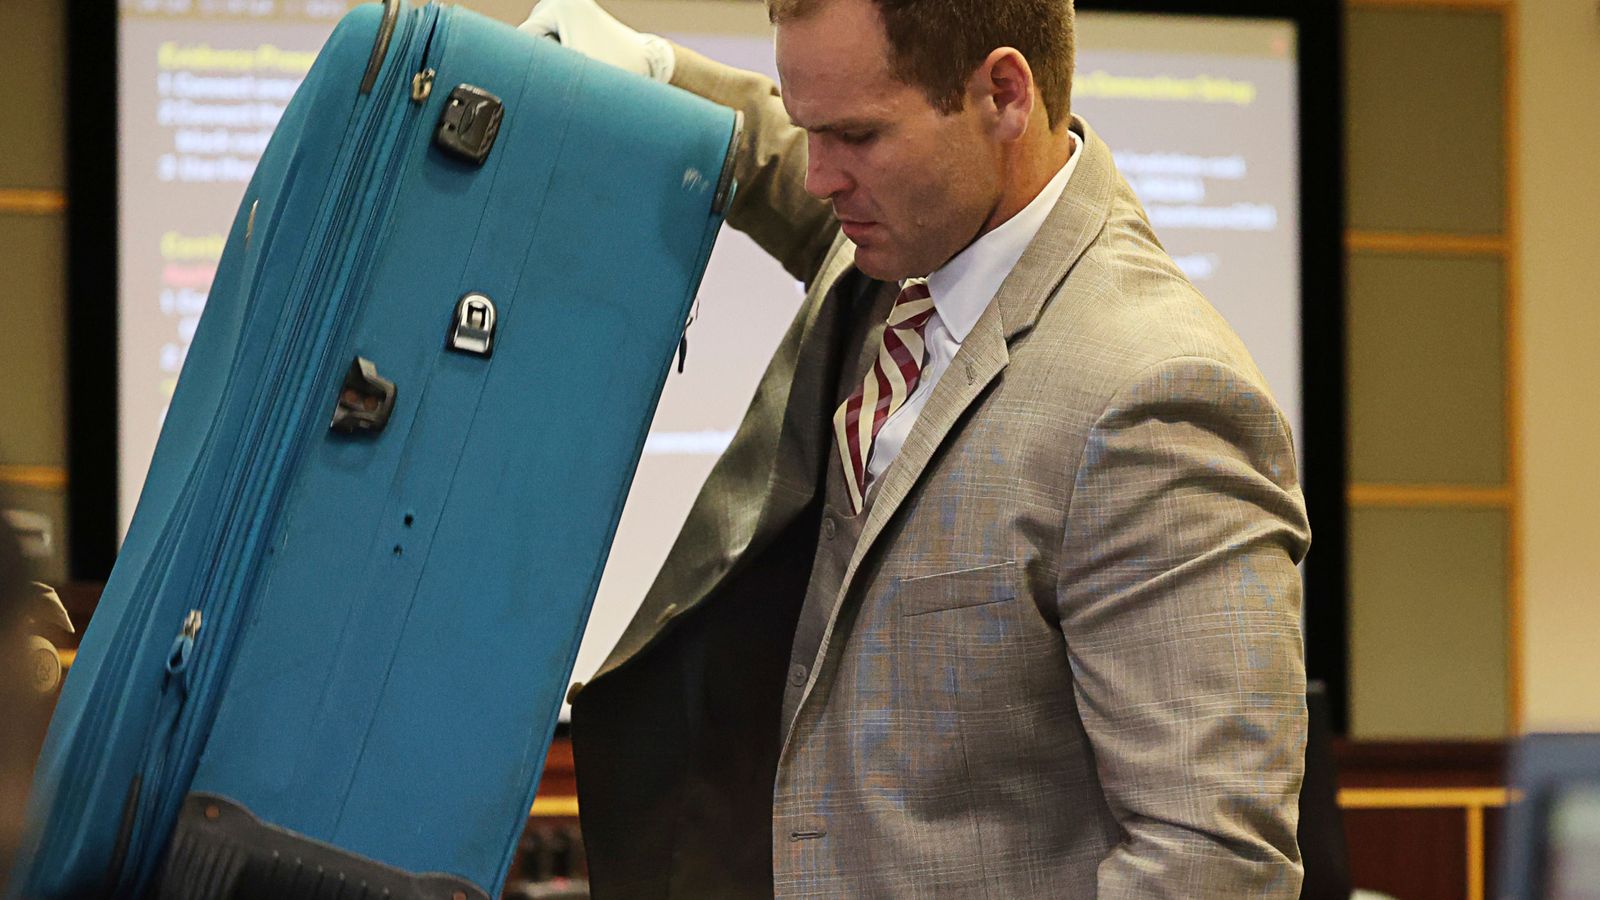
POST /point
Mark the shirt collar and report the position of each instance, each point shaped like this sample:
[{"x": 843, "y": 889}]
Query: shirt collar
[{"x": 963, "y": 287}]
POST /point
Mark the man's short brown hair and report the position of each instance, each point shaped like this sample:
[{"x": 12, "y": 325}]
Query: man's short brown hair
[{"x": 937, "y": 44}]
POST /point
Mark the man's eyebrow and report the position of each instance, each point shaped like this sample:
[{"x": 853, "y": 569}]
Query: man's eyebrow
[{"x": 833, "y": 127}]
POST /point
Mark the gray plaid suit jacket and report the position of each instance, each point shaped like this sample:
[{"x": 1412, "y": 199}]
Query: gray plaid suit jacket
[{"x": 1066, "y": 657}]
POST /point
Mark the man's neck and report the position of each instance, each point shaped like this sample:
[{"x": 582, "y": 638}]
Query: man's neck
[{"x": 1030, "y": 165}]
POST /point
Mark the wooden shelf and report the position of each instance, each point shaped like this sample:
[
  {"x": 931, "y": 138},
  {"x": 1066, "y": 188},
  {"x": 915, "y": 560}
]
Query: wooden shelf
[
  {"x": 1427, "y": 243},
  {"x": 1422, "y": 496},
  {"x": 32, "y": 202},
  {"x": 47, "y": 478}
]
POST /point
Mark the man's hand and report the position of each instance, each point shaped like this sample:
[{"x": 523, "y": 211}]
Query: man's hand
[{"x": 583, "y": 26}]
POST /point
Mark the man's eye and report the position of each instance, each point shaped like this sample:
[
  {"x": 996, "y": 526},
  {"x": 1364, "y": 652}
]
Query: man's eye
[{"x": 856, "y": 138}]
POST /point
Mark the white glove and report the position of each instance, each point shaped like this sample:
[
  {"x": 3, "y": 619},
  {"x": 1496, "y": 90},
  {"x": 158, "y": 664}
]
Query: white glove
[{"x": 583, "y": 26}]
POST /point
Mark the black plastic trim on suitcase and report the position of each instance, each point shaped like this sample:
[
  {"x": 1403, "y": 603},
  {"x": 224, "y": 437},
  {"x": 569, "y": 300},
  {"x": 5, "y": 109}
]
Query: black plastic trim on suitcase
[
  {"x": 366, "y": 400},
  {"x": 220, "y": 851},
  {"x": 119, "y": 853},
  {"x": 380, "y": 46}
]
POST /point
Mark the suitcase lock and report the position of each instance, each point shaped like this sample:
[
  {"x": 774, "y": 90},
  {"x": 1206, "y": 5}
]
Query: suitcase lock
[
  {"x": 365, "y": 400},
  {"x": 473, "y": 330},
  {"x": 469, "y": 123}
]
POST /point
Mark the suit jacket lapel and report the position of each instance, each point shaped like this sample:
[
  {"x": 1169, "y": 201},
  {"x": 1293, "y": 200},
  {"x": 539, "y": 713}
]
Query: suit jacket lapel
[{"x": 802, "y": 438}]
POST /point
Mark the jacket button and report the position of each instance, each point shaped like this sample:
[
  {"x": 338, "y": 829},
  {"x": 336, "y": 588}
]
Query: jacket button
[
  {"x": 829, "y": 529},
  {"x": 797, "y": 675},
  {"x": 572, "y": 692}
]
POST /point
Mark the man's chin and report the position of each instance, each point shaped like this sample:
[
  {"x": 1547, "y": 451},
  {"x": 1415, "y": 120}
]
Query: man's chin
[{"x": 875, "y": 262}]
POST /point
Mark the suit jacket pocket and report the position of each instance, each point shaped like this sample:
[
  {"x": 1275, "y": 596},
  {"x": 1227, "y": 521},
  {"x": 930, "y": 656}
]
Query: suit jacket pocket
[{"x": 977, "y": 586}]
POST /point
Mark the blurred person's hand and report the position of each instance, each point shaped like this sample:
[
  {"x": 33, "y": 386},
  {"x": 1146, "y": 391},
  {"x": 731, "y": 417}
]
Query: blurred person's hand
[
  {"x": 23, "y": 708},
  {"x": 583, "y": 26},
  {"x": 42, "y": 613}
]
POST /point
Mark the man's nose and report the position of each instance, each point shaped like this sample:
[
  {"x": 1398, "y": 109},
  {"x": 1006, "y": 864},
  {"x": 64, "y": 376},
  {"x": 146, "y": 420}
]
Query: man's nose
[{"x": 824, "y": 180}]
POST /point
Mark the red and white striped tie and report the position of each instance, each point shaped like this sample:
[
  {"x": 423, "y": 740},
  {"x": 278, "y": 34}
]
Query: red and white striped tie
[{"x": 892, "y": 378}]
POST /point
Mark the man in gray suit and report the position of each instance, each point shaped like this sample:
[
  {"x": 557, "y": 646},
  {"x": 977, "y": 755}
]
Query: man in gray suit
[{"x": 994, "y": 592}]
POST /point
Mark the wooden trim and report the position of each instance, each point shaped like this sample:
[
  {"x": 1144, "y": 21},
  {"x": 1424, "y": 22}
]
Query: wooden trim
[
  {"x": 44, "y": 478},
  {"x": 555, "y": 807},
  {"x": 1427, "y": 243},
  {"x": 1515, "y": 653},
  {"x": 1459, "y": 5},
  {"x": 1410, "y": 496},
  {"x": 32, "y": 202},
  {"x": 1424, "y": 798},
  {"x": 1475, "y": 865}
]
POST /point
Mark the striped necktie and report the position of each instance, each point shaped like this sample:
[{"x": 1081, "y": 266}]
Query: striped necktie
[{"x": 892, "y": 378}]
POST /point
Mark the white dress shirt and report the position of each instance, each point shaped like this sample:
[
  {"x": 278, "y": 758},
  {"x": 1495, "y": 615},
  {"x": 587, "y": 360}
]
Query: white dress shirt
[{"x": 962, "y": 288}]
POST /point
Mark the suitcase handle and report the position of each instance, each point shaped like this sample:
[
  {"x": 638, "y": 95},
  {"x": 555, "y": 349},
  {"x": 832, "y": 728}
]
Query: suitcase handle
[{"x": 380, "y": 46}]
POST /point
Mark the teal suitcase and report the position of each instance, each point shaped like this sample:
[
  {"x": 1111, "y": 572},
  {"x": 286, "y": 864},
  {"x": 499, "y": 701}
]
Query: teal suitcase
[{"x": 330, "y": 657}]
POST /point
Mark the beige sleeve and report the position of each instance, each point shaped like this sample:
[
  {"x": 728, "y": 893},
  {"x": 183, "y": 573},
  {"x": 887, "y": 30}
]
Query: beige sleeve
[
  {"x": 771, "y": 204},
  {"x": 1180, "y": 602}
]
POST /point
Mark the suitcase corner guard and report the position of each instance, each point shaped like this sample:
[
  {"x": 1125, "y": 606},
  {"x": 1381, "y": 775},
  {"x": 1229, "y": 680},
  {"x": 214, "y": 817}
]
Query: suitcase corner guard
[
  {"x": 380, "y": 44},
  {"x": 725, "y": 182},
  {"x": 220, "y": 851}
]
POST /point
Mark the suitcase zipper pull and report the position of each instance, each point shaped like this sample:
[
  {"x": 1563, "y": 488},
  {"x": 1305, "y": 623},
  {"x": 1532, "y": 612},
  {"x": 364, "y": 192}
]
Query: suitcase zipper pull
[
  {"x": 422, "y": 82},
  {"x": 683, "y": 342},
  {"x": 183, "y": 644},
  {"x": 421, "y": 85}
]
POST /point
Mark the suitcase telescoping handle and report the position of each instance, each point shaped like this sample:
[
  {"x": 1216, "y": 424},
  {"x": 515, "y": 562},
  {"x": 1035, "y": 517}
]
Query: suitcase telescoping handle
[{"x": 380, "y": 46}]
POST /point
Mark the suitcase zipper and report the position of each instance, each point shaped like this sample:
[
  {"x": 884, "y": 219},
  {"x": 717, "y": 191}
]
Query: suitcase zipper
[
  {"x": 301, "y": 419},
  {"x": 125, "y": 645},
  {"x": 422, "y": 82},
  {"x": 258, "y": 479},
  {"x": 155, "y": 764}
]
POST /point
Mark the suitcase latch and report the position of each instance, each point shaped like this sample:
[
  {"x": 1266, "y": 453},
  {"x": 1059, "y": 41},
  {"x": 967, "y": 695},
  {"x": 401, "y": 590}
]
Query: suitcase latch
[
  {"x": 469, "y": 123},
  {"x": 365, "y": 400},
  {"x": 473, "y": 330}
]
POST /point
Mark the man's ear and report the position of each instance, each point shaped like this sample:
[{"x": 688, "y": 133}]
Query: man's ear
[{"x": 1003, "y": 87}]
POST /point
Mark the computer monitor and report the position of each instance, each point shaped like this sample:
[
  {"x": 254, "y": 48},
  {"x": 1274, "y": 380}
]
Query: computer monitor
[{"x": 1551, "y": 845}]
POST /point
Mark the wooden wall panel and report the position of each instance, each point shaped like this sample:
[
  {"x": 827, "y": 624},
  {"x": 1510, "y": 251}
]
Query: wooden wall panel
[
  {"x": 32, "y": 322},
  {"x": 1494, "y": 821},
  {"x": 1426, "y": 369},
  {"x": 1414, "y": 854},
  {"x": 1427, "y": 623},
  {"x": 1424, "y": 110},
  {"x": 32, "y": 131}
]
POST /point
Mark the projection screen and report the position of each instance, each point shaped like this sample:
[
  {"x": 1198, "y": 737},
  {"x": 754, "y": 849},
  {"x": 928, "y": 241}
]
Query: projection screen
[{"x": 1201, "y": 114}]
